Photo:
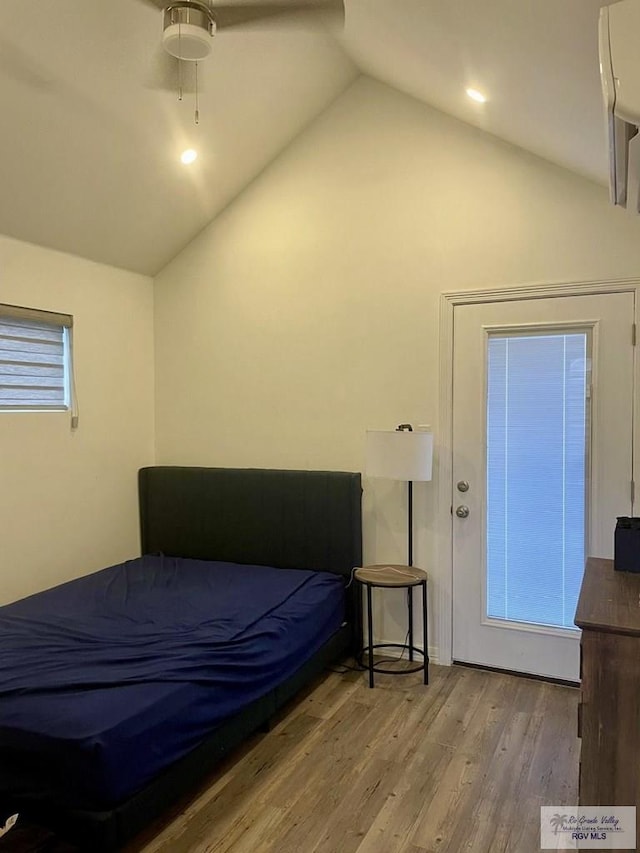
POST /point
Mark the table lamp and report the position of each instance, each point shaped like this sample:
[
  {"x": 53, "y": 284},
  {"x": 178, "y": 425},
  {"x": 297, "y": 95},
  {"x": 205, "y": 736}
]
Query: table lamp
[{"x": 400, "y": 454}]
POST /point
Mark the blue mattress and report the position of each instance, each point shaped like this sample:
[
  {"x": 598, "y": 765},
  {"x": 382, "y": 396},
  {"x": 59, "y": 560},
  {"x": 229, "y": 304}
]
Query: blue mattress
[{"x": 108, "y": 679}]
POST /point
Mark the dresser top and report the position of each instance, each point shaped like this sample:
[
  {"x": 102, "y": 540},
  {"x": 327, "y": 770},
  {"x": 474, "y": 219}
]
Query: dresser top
[{"x": 609, "y": 600}]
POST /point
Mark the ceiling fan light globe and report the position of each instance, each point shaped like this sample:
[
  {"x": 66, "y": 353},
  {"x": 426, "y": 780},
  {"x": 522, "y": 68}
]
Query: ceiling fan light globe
[{"x": 187, "y": 41}]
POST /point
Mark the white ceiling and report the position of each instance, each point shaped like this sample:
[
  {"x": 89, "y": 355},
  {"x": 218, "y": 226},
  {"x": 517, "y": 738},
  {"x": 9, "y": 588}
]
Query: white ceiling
[
  {"x": 89, "y": 144},
  {"x": 536, "y": 60}
]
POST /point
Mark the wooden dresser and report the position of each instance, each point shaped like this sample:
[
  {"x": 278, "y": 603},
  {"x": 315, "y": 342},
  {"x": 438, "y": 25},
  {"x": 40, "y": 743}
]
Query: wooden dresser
[{"x": 609, "y": 714}]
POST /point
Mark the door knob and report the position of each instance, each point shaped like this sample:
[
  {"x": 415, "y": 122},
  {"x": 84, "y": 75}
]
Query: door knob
[{"x": 462, "y": 511}]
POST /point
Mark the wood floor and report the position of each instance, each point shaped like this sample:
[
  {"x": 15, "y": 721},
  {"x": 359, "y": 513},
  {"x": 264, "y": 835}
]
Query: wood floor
[{"x": 461, "y": 765}]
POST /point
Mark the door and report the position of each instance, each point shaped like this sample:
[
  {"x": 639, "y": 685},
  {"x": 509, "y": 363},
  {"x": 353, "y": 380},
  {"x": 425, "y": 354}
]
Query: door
[{"x": 542, "y": 465}]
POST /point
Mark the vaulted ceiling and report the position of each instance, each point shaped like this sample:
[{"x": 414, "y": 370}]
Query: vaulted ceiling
[{"x": 90, "y": 140}]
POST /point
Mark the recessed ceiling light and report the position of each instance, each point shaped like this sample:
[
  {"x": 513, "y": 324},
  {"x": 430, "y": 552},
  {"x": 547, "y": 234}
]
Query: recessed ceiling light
[
  {"x": 188, "y": 156},
  {"x": 476, "y": 96}
]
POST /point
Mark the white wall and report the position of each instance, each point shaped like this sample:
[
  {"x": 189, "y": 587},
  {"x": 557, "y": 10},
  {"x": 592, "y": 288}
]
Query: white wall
[
  {"x": 68, "y": 501},
  {"x": 308, "y": 310}
]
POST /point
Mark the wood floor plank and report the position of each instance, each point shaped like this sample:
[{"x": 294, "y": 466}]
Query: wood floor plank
[
  {"x": 349, "y": 818},
  {"x": 460, "y": 765},
  {"x": 414, "y": 715},
  {"x": 502, "y": 803},
  {"x": 453, "y": 718},
  {"x": 558, "y": 746},
  {"x": 342, "y": 776},
  {"x": 329, "y": 694},
  {"x": 247, "y": 832},
  {"x": 228, "y": 795},
  {"x": 419, "y": 781}
]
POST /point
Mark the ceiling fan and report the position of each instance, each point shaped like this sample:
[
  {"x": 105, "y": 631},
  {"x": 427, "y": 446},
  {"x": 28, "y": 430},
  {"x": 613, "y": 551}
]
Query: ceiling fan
[{"x": 189, "y": 25}]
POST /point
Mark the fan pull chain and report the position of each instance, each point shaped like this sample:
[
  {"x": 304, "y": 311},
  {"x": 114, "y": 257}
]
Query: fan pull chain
[
  {"x": 196, "y": 116},
  {"x": 179, "y": 61}
]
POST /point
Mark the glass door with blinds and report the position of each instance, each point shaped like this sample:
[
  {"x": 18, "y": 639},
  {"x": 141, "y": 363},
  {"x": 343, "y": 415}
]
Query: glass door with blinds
[{"x": 542, "y": 466}]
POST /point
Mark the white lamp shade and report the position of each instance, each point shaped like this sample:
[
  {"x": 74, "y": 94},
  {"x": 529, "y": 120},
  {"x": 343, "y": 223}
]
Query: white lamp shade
[{"x": 399, "y": 454}]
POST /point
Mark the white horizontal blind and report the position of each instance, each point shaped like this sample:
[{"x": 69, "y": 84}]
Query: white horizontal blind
[
  {"x": 536, "y": 476},
  {"x": 33, "y": 363}
]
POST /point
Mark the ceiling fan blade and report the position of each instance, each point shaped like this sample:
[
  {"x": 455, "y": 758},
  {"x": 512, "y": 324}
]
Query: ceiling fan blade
[
  {"x": 17, "y": 65},
  {"x": 163, "y": 72},
  {"x": 230, "y": 15}
]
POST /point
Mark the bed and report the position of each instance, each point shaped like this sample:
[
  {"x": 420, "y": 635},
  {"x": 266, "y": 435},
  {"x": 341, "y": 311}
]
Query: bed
[{"x": 120, "y": 690}]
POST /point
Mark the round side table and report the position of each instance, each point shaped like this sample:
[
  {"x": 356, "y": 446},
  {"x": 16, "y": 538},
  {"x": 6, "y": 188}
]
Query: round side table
[{"x": 404, "y": 577}]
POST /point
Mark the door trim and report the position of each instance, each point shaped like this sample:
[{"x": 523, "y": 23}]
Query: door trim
[{"x": 444, "y": 469}]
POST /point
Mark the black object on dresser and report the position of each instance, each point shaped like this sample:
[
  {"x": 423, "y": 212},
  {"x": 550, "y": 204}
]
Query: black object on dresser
[{"x": 627, "y": 545}]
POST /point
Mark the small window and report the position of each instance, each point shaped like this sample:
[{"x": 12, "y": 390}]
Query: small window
[{"x": 35, "y": 359}]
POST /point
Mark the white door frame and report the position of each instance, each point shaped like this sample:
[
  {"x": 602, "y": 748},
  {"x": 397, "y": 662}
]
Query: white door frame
[{"x": 444, "y": 468}]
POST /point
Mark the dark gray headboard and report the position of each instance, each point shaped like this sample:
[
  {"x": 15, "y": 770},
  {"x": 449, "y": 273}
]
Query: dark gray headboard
[{"x": 286, "y": 519}]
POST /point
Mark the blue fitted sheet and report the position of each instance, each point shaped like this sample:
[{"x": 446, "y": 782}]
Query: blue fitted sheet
[{"x": 106, "y": 680}]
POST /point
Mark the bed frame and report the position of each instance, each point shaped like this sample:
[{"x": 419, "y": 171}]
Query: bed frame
[{"x": 286, "y": 519}]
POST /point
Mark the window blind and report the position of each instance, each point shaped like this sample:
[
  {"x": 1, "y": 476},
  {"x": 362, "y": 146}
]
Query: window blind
[
  {"x": 536, "y": 476},
  {"x": 33, "y": 359}
]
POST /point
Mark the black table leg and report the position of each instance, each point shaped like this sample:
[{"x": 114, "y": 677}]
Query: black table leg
[
  {"x": 410, "y": 610},
  {"x": 370, "y": 632},
  {"x": 425, "y": 632}
]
